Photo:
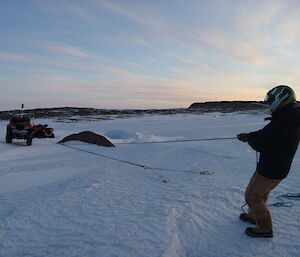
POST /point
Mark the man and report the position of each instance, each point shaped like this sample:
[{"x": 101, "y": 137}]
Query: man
[{"x": 277, "y": 143}]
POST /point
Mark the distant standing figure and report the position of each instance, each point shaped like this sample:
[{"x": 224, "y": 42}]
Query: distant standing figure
[{"x": 277, "y": 143}]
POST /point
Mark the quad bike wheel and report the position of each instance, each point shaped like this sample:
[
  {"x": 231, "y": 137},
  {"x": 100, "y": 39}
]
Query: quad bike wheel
[
  {"x": 29, "y": 140},
  {"x": 9, "y": 136}
]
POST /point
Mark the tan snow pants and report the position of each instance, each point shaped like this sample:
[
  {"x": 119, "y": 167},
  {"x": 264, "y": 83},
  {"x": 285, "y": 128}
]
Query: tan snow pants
[{"x": 256, "y": 197}]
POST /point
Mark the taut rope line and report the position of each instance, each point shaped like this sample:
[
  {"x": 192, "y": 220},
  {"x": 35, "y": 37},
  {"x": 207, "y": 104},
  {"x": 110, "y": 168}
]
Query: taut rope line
[{"x": 178, "y": 141}]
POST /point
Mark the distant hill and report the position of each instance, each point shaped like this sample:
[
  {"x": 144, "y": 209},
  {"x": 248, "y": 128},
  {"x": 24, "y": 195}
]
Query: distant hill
[
  {"x": 228, "y": 106},
  {"x": 65, "y": 112}
]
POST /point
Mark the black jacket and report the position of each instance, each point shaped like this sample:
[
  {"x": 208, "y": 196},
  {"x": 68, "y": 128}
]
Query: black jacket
[{"x": 277, "y": 143}]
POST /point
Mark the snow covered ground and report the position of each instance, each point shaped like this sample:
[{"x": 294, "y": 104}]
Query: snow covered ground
[{"x": 57, "y": 201}]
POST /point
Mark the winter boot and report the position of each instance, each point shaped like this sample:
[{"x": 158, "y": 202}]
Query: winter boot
[
  {"x": 262, "y": 229},
  {"x": 247, "y": 218}
]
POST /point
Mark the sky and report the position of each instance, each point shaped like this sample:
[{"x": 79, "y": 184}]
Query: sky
[{"x": 142, "y": 54}]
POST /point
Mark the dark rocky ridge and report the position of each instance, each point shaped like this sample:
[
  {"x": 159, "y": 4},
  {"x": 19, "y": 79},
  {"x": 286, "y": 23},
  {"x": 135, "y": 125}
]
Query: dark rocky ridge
[
  {"x": 229, "y": 106},
  {"x": 65, "y": 112}
]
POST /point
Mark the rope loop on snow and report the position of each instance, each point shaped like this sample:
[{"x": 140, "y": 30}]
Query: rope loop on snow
[{"x": 283, "y": 202}]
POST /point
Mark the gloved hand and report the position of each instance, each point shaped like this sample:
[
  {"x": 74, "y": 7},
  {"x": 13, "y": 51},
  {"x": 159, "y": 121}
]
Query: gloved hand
[{"x": 242, "y": 137}]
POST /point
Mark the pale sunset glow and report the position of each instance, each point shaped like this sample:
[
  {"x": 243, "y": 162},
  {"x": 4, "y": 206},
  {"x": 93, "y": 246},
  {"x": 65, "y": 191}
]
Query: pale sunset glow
[{"x": 145, "y": 54}]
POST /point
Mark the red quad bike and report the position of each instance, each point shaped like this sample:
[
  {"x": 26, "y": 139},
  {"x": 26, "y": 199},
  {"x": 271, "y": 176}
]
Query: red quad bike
[
  {"x": 42, "y": 131},
  {"x": 19, "y": 128}
]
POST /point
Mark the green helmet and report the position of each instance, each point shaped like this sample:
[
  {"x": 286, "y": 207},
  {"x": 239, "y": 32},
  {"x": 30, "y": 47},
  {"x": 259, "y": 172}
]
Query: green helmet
[{"x": 280, "y": 96}]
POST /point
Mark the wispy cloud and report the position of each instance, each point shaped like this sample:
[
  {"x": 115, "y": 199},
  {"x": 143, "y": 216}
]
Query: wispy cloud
[
  {"x": 137, "y": 11},
  {"x": 80, "y": 10},
  {"x": 59, "y": 48},
  {"x": 215, "y": 72},
  {"x": 14, "y": 57},
  {"x": 289, "y": 32},
  {"x": 83, "y": 13},
  {"x": 248, "y": 53},
  {"x": 251, "y": 16}
]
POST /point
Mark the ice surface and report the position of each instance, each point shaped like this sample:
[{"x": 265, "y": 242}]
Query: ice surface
[{"x": 57, "y": 201}]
